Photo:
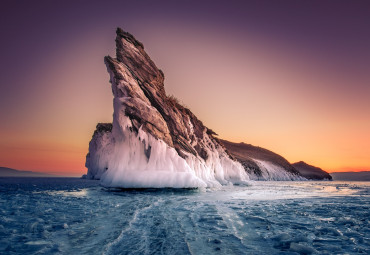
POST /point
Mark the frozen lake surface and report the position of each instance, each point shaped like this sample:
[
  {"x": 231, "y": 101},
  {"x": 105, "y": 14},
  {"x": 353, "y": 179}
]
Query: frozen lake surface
[{"x": 75, "y": 216}]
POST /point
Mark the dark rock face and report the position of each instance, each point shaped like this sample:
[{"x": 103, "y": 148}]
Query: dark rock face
[
  {"x": 103, "y": 127},
  {"x": 247, "y": 155},
  {"x": 153, "y": 135},
  {"x": 148, "y": 106},
  {"x": 311, "y": 172}
]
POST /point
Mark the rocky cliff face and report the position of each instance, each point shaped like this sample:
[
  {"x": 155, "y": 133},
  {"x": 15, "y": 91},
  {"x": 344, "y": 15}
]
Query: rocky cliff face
[
  {"x": 260, "y": 163},
  {"x": 153, "y": 140}
]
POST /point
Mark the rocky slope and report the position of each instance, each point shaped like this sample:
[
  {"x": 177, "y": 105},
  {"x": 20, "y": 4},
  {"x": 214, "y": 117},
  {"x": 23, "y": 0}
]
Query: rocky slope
[
  {"x": 153, "y": 140},
  {"x": 311, "y": 172},
  {"x": 260, "y": 163}
]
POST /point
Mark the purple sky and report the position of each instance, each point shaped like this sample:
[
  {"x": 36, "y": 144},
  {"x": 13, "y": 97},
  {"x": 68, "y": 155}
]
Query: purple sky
[{"x": 53, "y": 84}]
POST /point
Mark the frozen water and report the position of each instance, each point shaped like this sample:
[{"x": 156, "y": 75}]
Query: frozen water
[{"x": 74, "y": 216}]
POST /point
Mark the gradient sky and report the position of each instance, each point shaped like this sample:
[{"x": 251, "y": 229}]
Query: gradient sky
[{"x": 290, "y": 76}]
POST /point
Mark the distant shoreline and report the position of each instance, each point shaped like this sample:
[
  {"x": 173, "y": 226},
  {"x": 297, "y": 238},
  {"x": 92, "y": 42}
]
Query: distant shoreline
[
  {"x": 351, "y": 176},
  {"x": 6, "y": 172},
  {"x": 10, "y": 172}
]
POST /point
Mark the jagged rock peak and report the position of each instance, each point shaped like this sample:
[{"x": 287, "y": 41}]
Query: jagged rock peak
[
  {"x": 131, "y": 53},
  {"x": 136, "y": 78},
  {"x": 129, "y": 37},
  {"x": 154, "y": 141}
]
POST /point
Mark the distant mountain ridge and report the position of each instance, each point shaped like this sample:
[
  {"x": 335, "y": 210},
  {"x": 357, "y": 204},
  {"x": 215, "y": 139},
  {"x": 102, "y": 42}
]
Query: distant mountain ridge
[{"x": 10, "y": 172}]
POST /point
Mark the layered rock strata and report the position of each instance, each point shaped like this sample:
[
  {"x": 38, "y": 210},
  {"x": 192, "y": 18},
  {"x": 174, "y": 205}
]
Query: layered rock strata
[{"x": 154, "y": 141}]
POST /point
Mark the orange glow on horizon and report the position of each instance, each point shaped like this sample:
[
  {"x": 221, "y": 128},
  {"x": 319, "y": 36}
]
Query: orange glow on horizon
[
  {"x": 250, "y": 90},
  {"x": 58, "y": 162}
]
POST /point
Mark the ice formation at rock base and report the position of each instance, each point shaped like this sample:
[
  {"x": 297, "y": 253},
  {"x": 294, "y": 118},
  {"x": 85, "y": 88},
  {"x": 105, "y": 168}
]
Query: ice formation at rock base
[
  {"x": 123, "y": 158},
  {"x": 154, "y": 142}
]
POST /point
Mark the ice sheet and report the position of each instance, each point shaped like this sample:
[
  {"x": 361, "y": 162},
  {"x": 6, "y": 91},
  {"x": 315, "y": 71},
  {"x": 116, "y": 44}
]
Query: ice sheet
[{"x": 71, "y": 216}]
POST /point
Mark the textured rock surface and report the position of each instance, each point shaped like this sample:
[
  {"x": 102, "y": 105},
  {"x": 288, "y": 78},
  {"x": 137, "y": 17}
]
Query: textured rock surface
[
  {"x": 153, "y": 140},
  {"x": 251, "y": 157},
  {"x": 147, "y": 104},
  {"x": 311, "y": 172}
]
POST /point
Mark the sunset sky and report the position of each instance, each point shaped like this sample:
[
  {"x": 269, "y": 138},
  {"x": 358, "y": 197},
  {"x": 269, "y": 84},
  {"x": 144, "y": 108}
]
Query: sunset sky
[{"x": 289, "y": 76}]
